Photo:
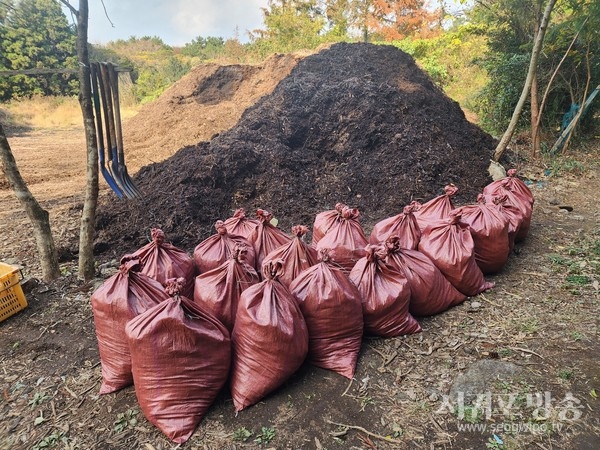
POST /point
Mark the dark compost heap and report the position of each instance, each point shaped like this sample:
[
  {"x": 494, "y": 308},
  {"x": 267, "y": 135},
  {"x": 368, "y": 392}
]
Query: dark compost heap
[{"x": 355, "y": 123}]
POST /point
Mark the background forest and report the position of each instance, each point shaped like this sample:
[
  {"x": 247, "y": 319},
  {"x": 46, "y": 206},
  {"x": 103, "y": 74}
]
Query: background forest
[{"x": 478, "y": 52}]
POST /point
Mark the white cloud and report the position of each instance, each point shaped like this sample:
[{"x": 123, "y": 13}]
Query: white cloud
[
  {"x": 174, "y": 21},
  {"x": 215, "y": 18}
]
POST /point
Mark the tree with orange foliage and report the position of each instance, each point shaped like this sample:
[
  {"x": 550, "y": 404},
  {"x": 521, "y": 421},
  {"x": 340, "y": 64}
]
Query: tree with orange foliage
[{"x": 397, "y": 19}]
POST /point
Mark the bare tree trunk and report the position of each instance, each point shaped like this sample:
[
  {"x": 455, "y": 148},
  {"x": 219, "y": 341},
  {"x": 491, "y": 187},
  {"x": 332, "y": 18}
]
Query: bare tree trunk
[
  {"x": 536, "y": 136},
  {"x": 535, "y": 112},
  {"x": 537, "y": 46},
  {"x": 38, "y": 216},
  {"x": 88, "y": 215},
  {"x": 579, "y": 114},
  {"x": 534, "y": 97}
]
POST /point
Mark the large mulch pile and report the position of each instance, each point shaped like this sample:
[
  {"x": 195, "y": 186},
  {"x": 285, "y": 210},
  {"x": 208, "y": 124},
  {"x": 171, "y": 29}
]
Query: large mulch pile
[
  {"x": 355, "y": 123},
  {"x": 208, "y": 100}
]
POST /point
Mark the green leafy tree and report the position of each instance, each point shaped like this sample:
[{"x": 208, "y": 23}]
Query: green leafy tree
[
  {"x": 36, "y": 34},
  {"x": 155, "y": 65},
  {"x": 290, "y": 25},
  {"x": 297, "y": 24},
  {"x": 153, "y": 80},
  {"x": 510, "y": 26},
  {"x": 361, "y": 17},
  {"x": 204, "y": 48},
  {"x": 100, "y": 54},
  {"x": 390, "y": 19},
  {"x": 449, "y": 60},
  {"x": 5, "y": 6},
  {"x": 147, "y": 49},
  {"x": 338, "y": 15},
  {"x": 581, "y": 19}
]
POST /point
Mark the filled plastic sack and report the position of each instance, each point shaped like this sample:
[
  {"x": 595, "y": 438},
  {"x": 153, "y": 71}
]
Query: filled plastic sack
[
  {"x": 218, "y": 291},
  {"x": 218, "y": 248},
  {"x": 266, "y": 237},
  {"x": 270, "y": 339},
  {"x": 437, "y": 208},
  {"x": 296, "y": 255},
  {"x": 515, "y": 200},
  {"x": 489, "y": 229},
  {"x": 430, "y": 292},
  {"x": 345, "y": 240},
  {"x": 241, "y": 225},
  {"x": 332, "y": 308},
  {"x": 161, "y": 260},
  {"x": 514, "y": 183},
  {"x": 385, "y": 295},
  {"x": 324, "y": 221},
  {"x": 180, "y": 358},
  {"x": 119, "y": 299},
  {"x": 510, "y": 212},
  {"x": 403, "y": 225},
  {"x": 450, "y": 246}
]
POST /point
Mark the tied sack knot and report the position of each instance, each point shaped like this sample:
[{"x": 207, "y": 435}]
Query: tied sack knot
[
  {"x": 129, "y": 263},
  {"x": 158, "y": 235},
  {"x": 350, "y": 213},
  {"x": 375, "y": 252},
  {"x": 174, "y": 286},
  {"x": 240, "y": 252},
  {"x": 220, "y": 227},
  {"x": 411, "y": 208},
  {"x": 264, "y": 216},
  {"x": 299, "y": 230},
  {"x": 450, "y": 190},
  {"x": 273, "y": 269}
]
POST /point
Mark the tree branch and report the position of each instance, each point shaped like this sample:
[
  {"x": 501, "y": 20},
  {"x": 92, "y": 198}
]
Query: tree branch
[
  {"x": 36, "y": 71},
  {"x": 106, "y": 14},
  {"x": 71, "y": 7},
  {"x": 547, "y": 90},
  {"x": 583, "y": 100},
  {"x": 501, "y": 147},
  {"x": 367, "y": 432}
]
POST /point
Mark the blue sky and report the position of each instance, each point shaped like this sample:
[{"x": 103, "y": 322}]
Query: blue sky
[
  {"x": 174, "y": 21},
  {"x": 177, "y": 22}
]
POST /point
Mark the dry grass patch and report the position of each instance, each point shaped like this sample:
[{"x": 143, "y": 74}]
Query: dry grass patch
[{"x": 50, "y": 112}]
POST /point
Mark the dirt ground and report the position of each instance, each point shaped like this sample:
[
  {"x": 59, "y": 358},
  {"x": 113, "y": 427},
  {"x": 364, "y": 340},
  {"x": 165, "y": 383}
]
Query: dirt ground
[{"x": 541, "y": 317}]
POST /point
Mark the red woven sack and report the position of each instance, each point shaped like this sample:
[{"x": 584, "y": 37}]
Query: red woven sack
[
  {"x": 119, "y": 299},
  {"x": 326, "y": 295},
  {"x": 240, "y": 225},
  {"x": 385, "y": 295},
  {"x": 266, "y": 237},
  {"x": 489, "y": 229},
  {"x": 515, "y": 200},
  {"x": 162, "y": 260},
  {"x": 270, "y": 339},
  {"x": 514, "y": 183},
  {"x": 180, "y": 357},
  {"x": 430, "y": 292},
  {"x": 437, "y": 208},
  {"x": 296, "y": 255},
  {"x": 324, "y": 221},
  {"x": 218, "y": 248},
  {"x": 450, "y": 246},
  {"x": 510, "y": 212},
  {"x": 345, "y": 240},
  {"x": 403, "y": 225},
  {"x": 218, "y": 291}
]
